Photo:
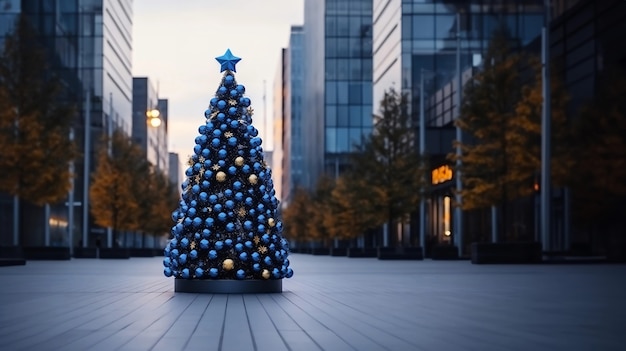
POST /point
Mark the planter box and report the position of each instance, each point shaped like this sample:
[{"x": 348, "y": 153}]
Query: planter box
[
  {"x": 4, "y": 262},
  {"x": 11, "y": 252},
  {"x": 616, "y": 253},
  {"x": 121, "y": 253},
  {"x": 362, "y": 252},
  {"x": 85, "y": 252},
  {"x": 46, "y": 253},
  {"x": 400, "y": 253},
  {"x": 514, "y": 252},
  {"x": 141, "y": 252},
  {"x": 444, "y": 252},
  {"x": 320, "y": 251},
  {"x": 338, "y": 251}
]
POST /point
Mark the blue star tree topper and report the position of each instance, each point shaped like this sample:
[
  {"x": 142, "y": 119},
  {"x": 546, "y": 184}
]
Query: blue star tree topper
[{"x": 228, "y": 61}]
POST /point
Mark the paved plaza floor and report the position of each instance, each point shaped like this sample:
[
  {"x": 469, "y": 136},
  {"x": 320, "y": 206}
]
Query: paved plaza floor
[{"x": 331, "y": 303}]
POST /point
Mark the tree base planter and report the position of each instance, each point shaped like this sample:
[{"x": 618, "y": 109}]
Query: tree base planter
[
  {"x": 338, "y": 251},
  {"x": 46, "y": 253},
  {"x": 362, "y": 252},
  {"x": 444, "y": 252},
  {"x": 400, "y": 253},
  {"x": 228, "y": 286},
  {"x": 515, "y": 252}
]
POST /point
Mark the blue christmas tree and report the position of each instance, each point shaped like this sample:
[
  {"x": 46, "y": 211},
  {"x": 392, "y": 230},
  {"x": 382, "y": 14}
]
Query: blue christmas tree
[{"x": 227, "y": 225}]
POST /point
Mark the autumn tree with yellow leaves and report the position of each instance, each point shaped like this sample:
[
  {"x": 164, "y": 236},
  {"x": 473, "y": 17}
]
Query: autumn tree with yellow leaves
[
  {"x": 503, "y": 117},
  {"x": 35, "y": 121},
  {"x": 114, "y": 200}
]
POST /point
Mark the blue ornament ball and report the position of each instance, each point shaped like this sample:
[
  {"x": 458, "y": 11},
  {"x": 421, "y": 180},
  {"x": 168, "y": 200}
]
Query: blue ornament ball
[
  {"x": 167, "y": 272},
  {"x": 199, "y": 272},
  {"x": 229, "y": 80},
  {"x": 232, "y": 141},
  {"x": 241, "y": 274},
  {"x": 204, "y": 244},
  {"x": 207, "y": 113},
  {"x": 222, "y": 90},
  {"x": 228, "y": 242},
  {"x": 232, "y": 111},
  {"x": 193, "y": 254},
  {"x": 197, "y": 149},
  {"x": 206, "y": 153},
  {"x": 221, "y": 104},
  {"x": 182, "y": 259},
  {"x": 221, "y": 116},
  {"x": 213, "y": 254},
  {"x": 243, "y": 256},
  {"x": 234, "y": 93},
  {"x": 240, "y": 88},
  {"x": 213, "y": 272},
  {"x": 213, "y": 101},
  {"x": 219, "y": 245}
]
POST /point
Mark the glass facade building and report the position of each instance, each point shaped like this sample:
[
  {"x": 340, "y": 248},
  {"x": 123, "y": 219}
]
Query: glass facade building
[
  {"x": 440, "y": 39},
  {"x": 89, "y": 43},
  {"x": 295, "y": 73},
  {"x": 337, "y": 106}
]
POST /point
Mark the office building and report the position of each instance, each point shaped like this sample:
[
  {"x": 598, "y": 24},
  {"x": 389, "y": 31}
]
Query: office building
[
  {"x": 439, "y": 39},
  {"x": 90, "y": 42},
  {"x": 337, "y": 84}
]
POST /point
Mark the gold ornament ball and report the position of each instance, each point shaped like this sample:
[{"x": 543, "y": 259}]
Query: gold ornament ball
[
  {"x": 253, "y": 178},
  {"x": 220, "y": 176},
  {"x": 228, "y": 264},
  {"x": 239, "y": 161},
  {"x": 271, "y": 222},
  {"x": 265, "y": 274}
]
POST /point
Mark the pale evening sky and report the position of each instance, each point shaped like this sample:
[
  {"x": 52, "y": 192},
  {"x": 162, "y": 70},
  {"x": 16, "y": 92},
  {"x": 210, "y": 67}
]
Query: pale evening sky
[{"x": 176, "y": 42}]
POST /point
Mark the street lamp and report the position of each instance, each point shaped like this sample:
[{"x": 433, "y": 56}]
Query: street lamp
[{"x": 155, "y": 121}]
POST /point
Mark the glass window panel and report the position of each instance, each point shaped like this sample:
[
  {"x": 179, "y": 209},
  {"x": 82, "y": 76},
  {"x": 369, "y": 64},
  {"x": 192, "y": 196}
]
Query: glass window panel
[
  {"x": 356, "y": 71},
  {"x": 331, "y": 140},
  {"x": 354, "y": 94},
  {"x": 355, "y": 138},
  {"x": 366, "y": 116},
  {"x": 342, "y": 93},
  {"x": 331, "y": 92},
  {"x": 342, "y": 68},
  {"x": 331, "y": 69},
  {"x": 356, "y": 47},
  {"x": 367, "y": 69},
  {"x": 331, "y": 116},
  {"x": 423, "y": 26},
  {"x": 331, "y": 47},
  {"x": 343, "y": 47},
  {"x": 343, "y": 26},
  {"x": 445, "y": 26},
  {"x": 342, "y": 116},
  {"x": 331, "y": 26},
  {"x": 355, "y": 115},
  {"x": 406, "y": 26},
  {"x": 367, "y": 93},
  {"x": 343, "y": 140},
  {"x": 355, "y": 26}
]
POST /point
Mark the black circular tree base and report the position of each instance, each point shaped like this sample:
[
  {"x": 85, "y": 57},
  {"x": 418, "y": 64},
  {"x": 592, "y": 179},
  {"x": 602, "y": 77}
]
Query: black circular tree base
[{"x": 228, "y": 286}]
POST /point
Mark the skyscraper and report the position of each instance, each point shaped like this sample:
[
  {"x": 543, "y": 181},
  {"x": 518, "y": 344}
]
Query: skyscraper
[{"x": 337, "y": 85}]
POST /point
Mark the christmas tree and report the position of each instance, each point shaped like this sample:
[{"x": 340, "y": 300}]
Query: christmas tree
[{"x": 227, "y": 226}]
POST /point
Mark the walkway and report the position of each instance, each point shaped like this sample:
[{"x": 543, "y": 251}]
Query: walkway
[{"x": 331, "y": 303}]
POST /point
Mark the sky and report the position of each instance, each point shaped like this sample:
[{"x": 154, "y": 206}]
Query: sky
[{"x": 175, "y": 44}]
